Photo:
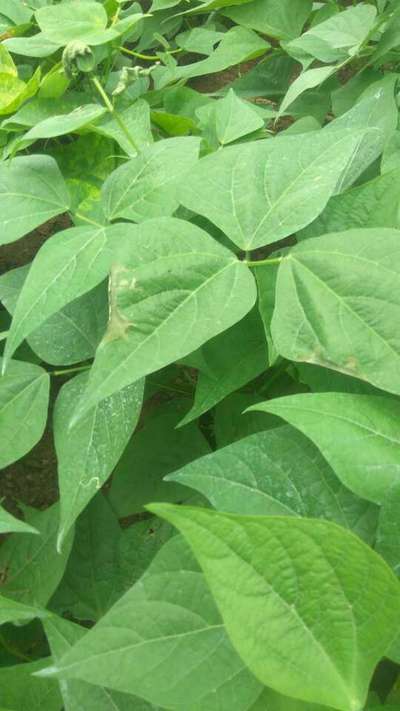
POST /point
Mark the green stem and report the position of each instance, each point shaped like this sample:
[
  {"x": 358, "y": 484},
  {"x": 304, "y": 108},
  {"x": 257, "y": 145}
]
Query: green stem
[
  {"x": 114, "y": 113},
  {"x": 264, "y": 262},
  {"x": 4, "y": 335},
  {"x": 66, "y": 371},
  {"x": 147, "y": 57}
]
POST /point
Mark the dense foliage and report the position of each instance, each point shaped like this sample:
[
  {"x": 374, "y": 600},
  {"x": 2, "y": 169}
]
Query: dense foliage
[{"x": 202, "y": 317}]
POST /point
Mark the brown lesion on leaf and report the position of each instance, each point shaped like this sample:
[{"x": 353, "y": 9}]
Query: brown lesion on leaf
[{"x": 118, "y": 325}]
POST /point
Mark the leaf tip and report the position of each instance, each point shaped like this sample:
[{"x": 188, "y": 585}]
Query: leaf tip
[{"x": 47, "y": 672}]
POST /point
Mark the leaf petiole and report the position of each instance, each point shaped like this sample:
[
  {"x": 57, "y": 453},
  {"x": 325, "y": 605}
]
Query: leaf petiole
[
  {"x": 264, "y": 262},
  {"x": 114, "y": 113}
]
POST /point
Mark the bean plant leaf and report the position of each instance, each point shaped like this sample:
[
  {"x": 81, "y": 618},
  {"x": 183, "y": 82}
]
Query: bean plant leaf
[
  {"x": 24, "y": 399},
  {"x": 88, "y": 452},
  {"x": 229, "y": 362},
  {"x": 277, "y": 472},
  {"x": 167, "y": 621},
  {"x": 67, "y": 266},
  {"x": 145, "y": 187},
  {"x": 179, "y": 289},
  {"x": 282, "y": 19},
  {"x": 59, "y": 125},
  {"x": 10, "y": 524},
  {"x": 32, "y": 190},
  {"x": 21, "y": 690},
  {"x": 12, "y": 611},
  {"x": 266, "y": 574},
  {"x": 388, "y": 534},
  {"x": 357, "y": 434},
  {"x": 260, "y": 192},
  {"x": 336, "y": 302},
  {"x": 71, "y": 21},
  {"x": 31, "y": 568}
]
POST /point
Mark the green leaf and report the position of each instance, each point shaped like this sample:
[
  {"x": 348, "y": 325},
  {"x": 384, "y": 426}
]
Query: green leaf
[
  {"x": 12, "y": 611},
  {"x": 228, "y": 362},
  {"x": 36, "y": 46},
  {"x": 60, "y": 125},
  {"x": 337, "y": 38},
  {"x": 233, "y": 421},
  {"x": 277, "y": 472},
  {"x": 154, "y": 451},
  {"x": 10, "y": 524},
  {"x": 25, "y": 692},
  {"x": 372, "y": 204},
  {"x": 357, "y": 434},
  {"x": 388, "y": 534},
  {"x": 69, "y": 336},
  {"x": 88, "y": 452},
  {"x": 146, "y": 186},
  {"x": 259, "y": 192},
  {"x": 32, "y": 191},
  {"x": 282, "y": 19},
  {"x": 78, "y": 695},
  {"x": 24, "y": 399},
  {"x": 164, "y": 641},
  {"x": 179, "y": 289},
  {"x": 137, "y": 121},
  {"x": 230, "y": 118},
  {"x": 71, "y": 21},
  {"x": 336, "y": 303},
  {"x": 68, "y": 265},
  {"x": 288, "y": 590},
  {"x": 30, "y": 565},
  {"x": 308, "y": 79}
]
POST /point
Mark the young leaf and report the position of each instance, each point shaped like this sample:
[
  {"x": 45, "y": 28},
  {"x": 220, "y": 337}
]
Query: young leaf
[
  {"x": 146, "y": 186},
  {"x": 24, "y": 398},
  {"x": 68, "y": 265},
  {"x": 288, "y": 590},
  {"x": 32, "y": 190},
  {"x": 357, "y": 434},
  {"x": 282, "y": 19},
  {"x": 30, "y": 565},
  {"x": 88, "y": 452},
  {"x": 164, "y": 641},
  {"x": 178, "y": 289},
  {"x": 336, "y": 302},
  {"x": 277, "y": 472},
  {"x": 60, "y": 125},
  {"x": 21, "y": 690},
  {"x": 229, "y": 362},
  {"x": 259, "y": 192},
  {"x": 155, "y": 450},
  {"x": 71, "y": 21},
  {"x": 230, "y": 118},
  {"x": 10, "y": 524}
]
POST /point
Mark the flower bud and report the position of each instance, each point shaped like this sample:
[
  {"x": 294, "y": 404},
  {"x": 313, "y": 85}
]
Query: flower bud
[{"x": 78, "y": 57}]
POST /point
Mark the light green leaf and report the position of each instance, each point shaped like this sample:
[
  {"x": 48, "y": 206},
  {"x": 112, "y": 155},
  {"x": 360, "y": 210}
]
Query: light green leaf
[
  {"x": 337, "y": 298},
  {"x": 357, "y": 434},
  {"x": 36, "y": 46},
  {"x": 32, "y": 191},
  {"x": 372, "y": 204},
  {"x": 164, "y": 641},
  {"x": 15, "y": 12},
  {"x": 7, "y": 65},
  {"x": 277, "y": 472},
  {"x": 155, "y": 450},
  {"x": 338, "y": 37},
  {"x": 230, "y": 118},
  {"x": 72, "y": 334},
  {"x": 260, "y": 192},
  {"x": 388, "y": 534},
  {"x": 228, "y": 362},
  {"x": 146, "y": 186},
  {"x": 10, "y": 524},
  {"x": 273, "y": 577},
  {"x": 282, "y": 19},
  {"x": 137, "y": 121},
  {"x": 59, "y": 125},
  {"x": 179, "y": 289},
  {"x": 71, "y": 21},
  {"x": 68, "y": 265},
  {"x": 24, "y": 398},
  {"x": 307, "y": 80},
  {"x": 12, "y": 611},
  {"x": 78, "y": 695},
  {"x": 88, "y": 452},
  {"x": 25, "y": 692},
  {"x": 31, "y": 566}
]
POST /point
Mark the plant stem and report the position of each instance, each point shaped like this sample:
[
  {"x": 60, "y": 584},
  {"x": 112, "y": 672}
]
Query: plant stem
[
  {"x": 146, "y": 57},
  {"x": 66, "y": 371},
  {"x": 3, "y": 335},
  {"x": 264, "y": 262},
  {"x": 114, "y": 113}
]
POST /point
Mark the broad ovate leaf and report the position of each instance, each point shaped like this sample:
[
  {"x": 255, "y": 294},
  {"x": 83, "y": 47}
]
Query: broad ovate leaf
[
  {"x": 357, "y": 434},
  {"x": 259, "y": 192},
  {"x": 146, "y": 186},
  {"x": 282, "y": 19},
  {"x": 277, "y": 472},
  {"x": 23, "y": 689},
  {"x": 177, "y": 289},
  {"x": 88, "y": 452},
  {"x": 337, "y": 298},
  {"x": 309, "y": 607},
  {"x": 10, "y": 524},
  {"x": 32, "y": 191},
  {"x": 68, "y": 265},
  {"x": 70, "y": 21},
  {"x": 164, "y": 641},
  {"x": 24, "y": 399}
]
